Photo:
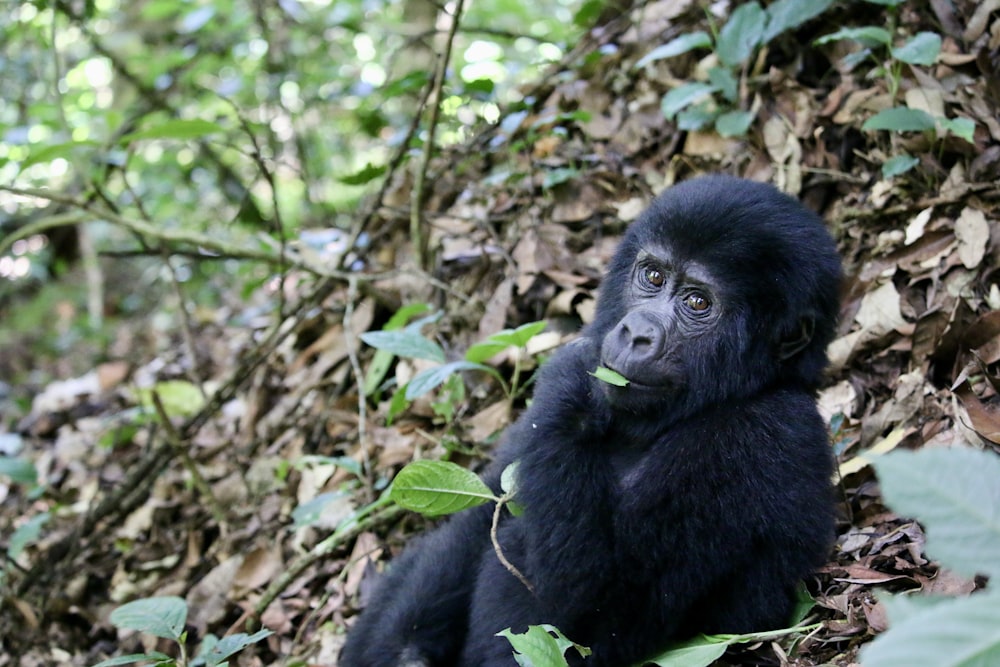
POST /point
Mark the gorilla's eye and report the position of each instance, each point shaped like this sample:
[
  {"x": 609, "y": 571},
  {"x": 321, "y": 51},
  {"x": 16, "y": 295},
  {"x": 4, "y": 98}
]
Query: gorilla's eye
[
  {"x": 697, "y": 303},
  {"x": 653, "y": 277}
]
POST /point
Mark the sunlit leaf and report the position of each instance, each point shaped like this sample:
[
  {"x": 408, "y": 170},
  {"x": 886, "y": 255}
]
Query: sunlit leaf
[
  {"x": 435, "y": 488},
  {"x": 432, "y": 378},
  {"x": 686, "y": 42},
  {"x": 700, "y": 651},
  {"x": 963, "y": 128},
  {"x": 734, "y": 123},
  {"x": 900, "y": 119},
  {"x": 741, "y": 34},
  {"x": 159, "y": 616},
  {"x": 922, "y": 49},
  {"x": 64, "y": 150},
  {"x": 683, "y": 96},
  {"x": 541, "y": 646},
  {"x": 175, "y": 129},
  {"x": 869, "y": 36},
  {"x": 899, "y": 164},
  {"x": 784, "y": 15},
  {"x": 404, "y": 343},
  {"x": 611, "y": 377}
]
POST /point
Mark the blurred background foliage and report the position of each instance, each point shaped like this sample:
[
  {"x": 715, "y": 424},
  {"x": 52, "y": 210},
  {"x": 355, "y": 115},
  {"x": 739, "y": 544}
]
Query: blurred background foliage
[{"x": 242, "y": 120}]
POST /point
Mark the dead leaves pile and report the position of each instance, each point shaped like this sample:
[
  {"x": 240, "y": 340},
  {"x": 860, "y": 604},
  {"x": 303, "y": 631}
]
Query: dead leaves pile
[{"x": 522, "y": 232}]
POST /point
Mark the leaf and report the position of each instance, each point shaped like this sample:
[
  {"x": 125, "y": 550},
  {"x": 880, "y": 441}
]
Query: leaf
[
  {"x": 900, "y": 164},
  {"x": 742, "y": 33},
  {"x": 922, "y": 49},
  {"x": 227, "y": 646},
  {"x": 159, "y": 616},
  {"x": 698, "y": 652},
  {"x": 963, "y": 128},
  {"x": 724, "y": 82},
  {"x": 900, "y": 119},
  {"x": 404, "y": 343},
  {"x": 366, "y": 174},
  {"x": 541, "y": 646},
  {"x": 962, "y": 632},
  {"x": 955, "y": 495},
  {"x": 734, "y": 123},
  {"x": 684, "y": 95},
  {"x": 868, "y": 36},
  {"x": 501, "y": 340},
  {"x": 19, "y": 470},
  {"x": 382, "y": 359},
  {"x": 25, "y": 534},
  {"x": 432, "y": 378},
  {"x": 155, "y": 657},
  {"x": 508, "y": 479},
  {"x": 784, "y": 15},
  {"x": 48, "y": 153},
  {"x": 435, "y": 488},
  {"x": 677, "y": 46},
  {"x": 175, "y": 129},
  {"x": 179, "y": 398},
  {"x": 696, "y": 117},
  {"x": 611, "y": 377}
]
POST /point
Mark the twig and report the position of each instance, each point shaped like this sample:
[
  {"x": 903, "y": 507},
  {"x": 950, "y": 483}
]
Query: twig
[
  {"x": 499, "y": 551},
  {"x": 359, "y": 378},
  {"x": 417, "y": 195}
]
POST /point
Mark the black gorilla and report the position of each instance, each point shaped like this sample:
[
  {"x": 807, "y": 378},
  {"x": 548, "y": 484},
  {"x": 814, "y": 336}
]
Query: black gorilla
[{"x": 693, "y": 499}]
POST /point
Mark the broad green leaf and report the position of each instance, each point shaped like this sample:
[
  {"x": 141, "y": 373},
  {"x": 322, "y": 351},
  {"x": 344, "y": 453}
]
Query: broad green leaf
[
  {"x": 26, "y": 533},
  {"x": 900, "y": 119},
  {"x": 228, "y": 646},
  {"x": 734, "y": 123},
  {"x": 784, "y": 15},
  {"x": 698, "y": 652},
  {"x": 508, "y": 479},
  {"x": 382, "y": 359},
  {"x": 725, "y": 82},
  {"x": 405, "y": 343},
  {"x": 435, "y": 488},
  {"x": 175, "y": 129},
  {"x": 310, "y": 511},
  {"x": 432, "y": 378},
  {"x": 900, "y": 164},
  {"x": 611, "y": 377},
  {"x": 963, "y": 128},
  {"x": 961, "y": 632},
  {"x": 697, "y": 116},
  {"x": 19, "y": 470},
  {"x": 869, "y": 36},
  {"x": 684, "y": 95},
  {"x": 49, "y": 153},
  {"x": 956, "y": 496},
  {"x": 922, "y": 49},
  {"x": 675, "y": 47},
  {"x": 501, "y": 340},
  {"x": 541, "y": 646},
  {"x": 153, "y": 657},
  {"x": 742, "y": 33},
  {"x": 557, "y": 176},
  {"x": 159, "y": 616},
  {"x": 366, "y": 174},
  {"x": 179, "y": 398}
]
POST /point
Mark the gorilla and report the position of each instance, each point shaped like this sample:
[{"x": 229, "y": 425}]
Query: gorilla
[{"x": 693, "y": 499}]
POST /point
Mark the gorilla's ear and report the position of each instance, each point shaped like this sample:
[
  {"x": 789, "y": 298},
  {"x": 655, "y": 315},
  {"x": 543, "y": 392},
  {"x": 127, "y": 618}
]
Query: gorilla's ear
[{"x": 796, "y": 341}]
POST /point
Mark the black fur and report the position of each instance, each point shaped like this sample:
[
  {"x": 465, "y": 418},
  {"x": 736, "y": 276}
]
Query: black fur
[{"x": 692, "y": 500}]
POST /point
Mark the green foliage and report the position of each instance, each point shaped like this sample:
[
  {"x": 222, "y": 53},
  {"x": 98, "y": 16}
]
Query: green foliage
[
  {"x": 611, "y": 377},
  {"x": 541, "y": 646},
  {"x": 436, "y": 488},
  {"x": 703, "y": 650},
  {"x": 697, "y": 104},
  {"x": 164, "y": 617},
  {"x": 954, "y": 494}
]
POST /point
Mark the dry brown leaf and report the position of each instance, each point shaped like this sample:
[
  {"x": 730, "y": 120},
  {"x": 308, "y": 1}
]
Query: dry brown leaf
[{"x": 973, "y": 233}]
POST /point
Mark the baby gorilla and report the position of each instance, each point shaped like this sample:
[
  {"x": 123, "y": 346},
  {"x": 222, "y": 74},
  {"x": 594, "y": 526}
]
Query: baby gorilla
[{"x": 691, "y": 500}]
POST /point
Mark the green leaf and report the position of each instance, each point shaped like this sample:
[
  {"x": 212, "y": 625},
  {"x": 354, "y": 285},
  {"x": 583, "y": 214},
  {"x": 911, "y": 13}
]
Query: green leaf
[
  {"x": 175, "y": 129},
  {"x": 432, "y": 378},
  {"x": 508, "y": 479},
  {"x": 228, "y": 646},
  {"x": 724, "y": 82},
  {"x": 382, "y": 359},
  {"x": 19, "y": 470},
  {"x": 541, "y": 646},
  {"x": 435, "y": 488},
  {"x": 179, "y": 398},
  {"x": 677, "y": 46},
  {"x": 955, "y": 495},
  {"x": 900, "y": 119},
  {"x": 49, "y": 153},
  {"x": 899, "y": 164},
  {"x": 742, "y": 33},
  {"x": 963, "y": 128},
  {"x": 684, "y": 95},
  {"x": 784, "y": 15},
  {"x": 734, "y": 123},
  {"x": 366, "y": 174},
  {"x": 159, "y": 616},
  {"x": 405, "y": 343},
  {"x": 611, "y": 377},
  {"x": 557, "y": 176},
  {"x": 501, "y": 340},
  {"x": 960, "y": 632},
  {"x": 154, "y": 657},
  {"x": 26, "y": 533},
  {"x": 697, "y": 116},
  {"x": 698, "y": 652},
  {"x": 310, "y": 511},
  {"x": 922, "y": 49},
  {"x": 869, "y": 36}
]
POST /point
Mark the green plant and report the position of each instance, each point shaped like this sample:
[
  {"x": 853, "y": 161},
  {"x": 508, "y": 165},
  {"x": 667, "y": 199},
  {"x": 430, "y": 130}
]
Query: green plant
[
  {"x": 954, "y": 494},
  {"x": 698, "y": 104},
  {"x": 164, "y": 617},
  {"x": 395, "y": 339}
]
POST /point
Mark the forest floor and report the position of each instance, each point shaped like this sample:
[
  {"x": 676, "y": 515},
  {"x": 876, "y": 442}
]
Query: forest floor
[{"x": 247, "y": 504}]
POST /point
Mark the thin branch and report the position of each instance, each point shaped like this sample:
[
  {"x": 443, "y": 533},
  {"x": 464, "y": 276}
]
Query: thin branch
[{"x": 499, "y": 551}]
